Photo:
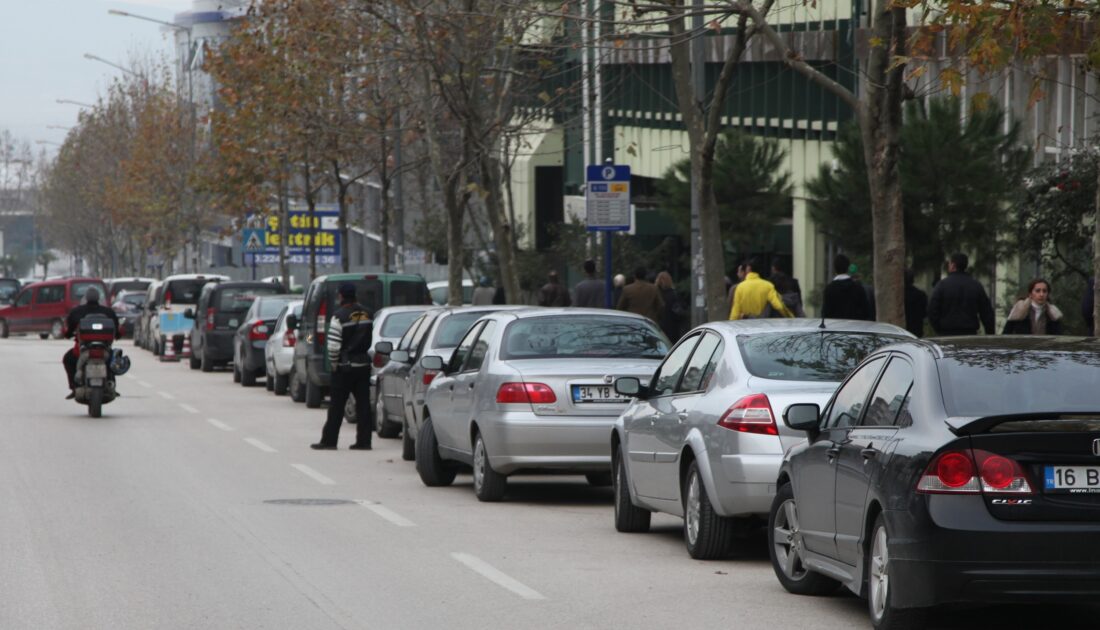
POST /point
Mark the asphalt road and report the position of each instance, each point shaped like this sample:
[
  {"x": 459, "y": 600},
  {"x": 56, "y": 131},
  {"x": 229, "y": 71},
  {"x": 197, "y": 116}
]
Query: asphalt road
[{"x": 196, "y": 503}]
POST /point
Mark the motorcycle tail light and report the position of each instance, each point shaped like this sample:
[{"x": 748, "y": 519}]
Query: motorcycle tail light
[{"x": 97, "y": 353}]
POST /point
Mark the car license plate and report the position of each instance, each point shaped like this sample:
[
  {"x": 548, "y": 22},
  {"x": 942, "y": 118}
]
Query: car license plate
[
  {"x": 1072, "y": 479},
  {"x": 596, "y": 394}
]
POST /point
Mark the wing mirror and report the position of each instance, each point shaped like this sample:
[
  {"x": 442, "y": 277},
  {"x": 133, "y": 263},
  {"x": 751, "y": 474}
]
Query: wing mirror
[
  {"x": 631, "y": 386},
  {"x": 383, "y": 347},
  {"x": 432, "y": 362},
  {"x": 189, "y": 314},
  {"x": 803, "y": 417},
  {"x": 400, "y": 356}
]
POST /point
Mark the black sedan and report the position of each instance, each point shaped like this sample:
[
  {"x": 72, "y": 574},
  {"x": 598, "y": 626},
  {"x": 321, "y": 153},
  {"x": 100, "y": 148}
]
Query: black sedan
[
  {"x": 251, "y": 337},
  {"x": 962, "y": 470}
]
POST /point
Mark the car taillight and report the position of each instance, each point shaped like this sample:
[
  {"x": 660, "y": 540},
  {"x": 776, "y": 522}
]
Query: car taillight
[
  {"x": 210, "y": 318},
  {"x": 97, "y": 353},
  {"x": 379, "y": 360},
  {"x": 168, "y": 298},
  {"x": 751, "y": 414},
  {"x": 258, "y": 332},
  {"x": 321, "y": 322},
  {"x": 532, "y": 393},
  {"x": 289, "y": 339},
  {"x": 428, "y": 376},
  {"x": 973, "y": 471}
]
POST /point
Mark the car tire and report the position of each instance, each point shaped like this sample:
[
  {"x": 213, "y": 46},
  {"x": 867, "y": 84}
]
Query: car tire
[
  {"x": 236, "y": 373},
  {"x": 599, "y": 480},
  {"x": 883, "y": 614},
  {"x": 248, "y": 377},
  {"x": 408, "y": 444},
  {"x": 433, "y": 471},
  {"x": 4, "y": 332},
  {"x": 269, "y": 381},
  {"x": 489, "y": 485},
  {"x": 207, "y": 364},
  {"x": 280, "y": 384},
  {"x": 95, "y": 402},
  {"x": 785, "y": 547},
  {"x": 707, "y": 534},
  {"x": 194, "y": 362},
  {"x": 57, "y": 329},
  {"x": 387, "y": 428},
  {"x": 297, "y": 390},
  {"x": 43, "y": 335},
  {"x": 313, "y": 394},
  {"x": 629, "y": 518}
]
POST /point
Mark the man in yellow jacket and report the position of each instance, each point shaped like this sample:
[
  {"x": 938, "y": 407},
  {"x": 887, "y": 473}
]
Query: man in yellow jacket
[{"x": 754, "y": 294}]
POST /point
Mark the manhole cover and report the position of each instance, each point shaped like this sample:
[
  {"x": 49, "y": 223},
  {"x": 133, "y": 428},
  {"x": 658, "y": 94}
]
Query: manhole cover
[{"x": 312, "y": 502}]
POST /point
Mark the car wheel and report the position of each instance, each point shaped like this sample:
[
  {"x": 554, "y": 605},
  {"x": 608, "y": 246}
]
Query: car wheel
[
  {"x": 785, "y": 549},
  {"x": 236, "y": 373},
  {"x": 297, "y": 390},
  {"x": 408, "y": 444},
  {"x": 313, "y": 394},
  {"x": 207, "y": 363},
  {"x": 599, "y": 480},
  {"x": 57, "y": 329},
  {"x": 387, "y": 428},
  {"x": 707, "y": 534},
  {"x": 489, "y": 485},
  {"x": 430, "y": 466},
  {"x": 629, "y": 518},
  {"x": 248, "y": 377},
  {"x": 4, "y": 329},
  {"x": 43, "y": 335},
  {"x": 269, "y": 381},
  {"x": 280, "y": 385},
  {"x": 194, "y": 362},
  {"x": 883, "y": 614}
]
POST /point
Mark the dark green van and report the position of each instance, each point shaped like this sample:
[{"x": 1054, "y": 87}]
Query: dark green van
[{"x": 310, "y": 375}]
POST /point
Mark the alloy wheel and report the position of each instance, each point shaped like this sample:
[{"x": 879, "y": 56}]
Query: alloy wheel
[
  {"x": 691, "y": 509},
  {"x": 479, "y": 463},
  {"x": 879, "y": 580},
  {"x": 788, "y": 541}
]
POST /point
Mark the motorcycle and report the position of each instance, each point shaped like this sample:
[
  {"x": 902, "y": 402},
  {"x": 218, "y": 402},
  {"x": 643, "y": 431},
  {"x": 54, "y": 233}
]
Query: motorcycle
[{"x": 98, "y": 363}]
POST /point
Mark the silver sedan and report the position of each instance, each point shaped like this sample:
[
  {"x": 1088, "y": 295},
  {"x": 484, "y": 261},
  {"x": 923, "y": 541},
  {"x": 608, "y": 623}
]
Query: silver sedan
[
  {"x": 702, "y": 441},
  {"x": 532, "y": 391}
]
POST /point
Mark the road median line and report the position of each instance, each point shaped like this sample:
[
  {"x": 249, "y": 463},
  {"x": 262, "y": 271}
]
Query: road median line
[
  {"x": 313, "y": 474},
  {"x": 496, "y": 576}
]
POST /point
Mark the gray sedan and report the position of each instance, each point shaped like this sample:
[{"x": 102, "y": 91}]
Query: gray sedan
[
  {"x": 532, "y": 391},
  {"x": 702, "y": 441}
]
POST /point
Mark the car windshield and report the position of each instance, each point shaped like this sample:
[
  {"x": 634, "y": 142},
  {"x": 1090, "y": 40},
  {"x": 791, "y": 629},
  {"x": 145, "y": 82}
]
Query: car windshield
[
  {"x": 8, "y": 289},
  {"x": 396, "y": 324},
  {"x": 184, "y": 291},
  {"x": 407, "y": 292},
  {"x": 583, "y": 336},
  {"x": 239, "y": 299},
  {"x": 996, "y": 381},
  {"x": 453, "y": 327},
  {"x": 810, "y": 355},
  {"x": 80, "y": 288},
  {"x": 134, "y": 299},
  {"x": 129, "y": 285},
  {"x": 271, "y": 306}
]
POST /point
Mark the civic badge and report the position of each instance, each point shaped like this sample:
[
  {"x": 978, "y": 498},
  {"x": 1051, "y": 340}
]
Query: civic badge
[{"x": 1096, "y": 447}]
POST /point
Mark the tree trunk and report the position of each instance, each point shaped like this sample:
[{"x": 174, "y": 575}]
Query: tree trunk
[
  {"x": 454, "y": 209},
  {"x": 503, "y": 237},
  {"x": 284, "y": 219},
  {"x": 342, "y": 204},
  {"x": 311, "y": 203},
  {"x": 384, "y": 220},
  {"x": 714, "y": 262},
  {"x": 1096, "y": 256}
]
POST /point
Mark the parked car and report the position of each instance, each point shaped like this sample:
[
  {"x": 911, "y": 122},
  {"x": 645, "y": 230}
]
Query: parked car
[
  {"x": 252, "y": 336},
  {"x": 949, "y": 471},
  {"x": 440, "y": 291},
  {"x": 402, "y": 382},
  {"x": 390, "y": 324},
  {"x": 117, "y": 285},
  {"x": 219, "y": 310},
  {"x": 700, "y": 440},
  {"x": 8, "y": 288},
  {"x": 42, "y": 307},
  {"x": 128, "y": 306},
  {"x": 531, "y": 391},
  {"x": 279, "y": 350},
  {"x": 178, "y": 294},
  {"x": 153, "y": 296},
  {"x": 312, "y": 374}
]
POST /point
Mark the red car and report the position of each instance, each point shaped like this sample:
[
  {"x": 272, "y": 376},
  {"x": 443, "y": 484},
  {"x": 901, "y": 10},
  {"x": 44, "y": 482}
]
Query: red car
[{"x": 41, "y": 307}]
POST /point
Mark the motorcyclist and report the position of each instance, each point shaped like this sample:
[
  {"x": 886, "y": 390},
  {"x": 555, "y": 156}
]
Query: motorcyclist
[{"x": 91, "y": 306}]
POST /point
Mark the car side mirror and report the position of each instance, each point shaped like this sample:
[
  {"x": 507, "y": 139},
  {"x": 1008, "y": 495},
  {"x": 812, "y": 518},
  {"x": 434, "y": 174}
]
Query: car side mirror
[
  {"x": 432, "y": 362},
  {"x": 189, "y": 314},
  {"x": 292, "y": 322},
  {"x": 803, "y": 417},
  {"x": 400, "y": 356},
  {"x": 631, "y": 386},
  {"x": 384, "y": 347}
]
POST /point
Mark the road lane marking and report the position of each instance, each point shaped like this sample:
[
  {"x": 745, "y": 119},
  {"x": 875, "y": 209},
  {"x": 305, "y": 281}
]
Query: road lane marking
[
  {"x": 144, "y": 384},
  {"x": 313, "y": 474},
  {"x": 496, "y": 576},
  {"x": 166, "y": 396},
  {"x": 221, "y": 425},
  {"x": 260, "y": 445},
  {"x": 387, "y": 513},
  {"x": 188, "y": 408},
  {"x": 131, "y": 377}
]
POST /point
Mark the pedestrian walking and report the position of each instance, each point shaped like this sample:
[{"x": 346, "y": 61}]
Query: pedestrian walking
[
  {"x": 868, "y": 291},
  {"x": 642, "y": 297},
  {"x": 590, "y": 291},
  {"x": 348, "y": 342},
  {"x": 844, "y": 298},
  {"x": 672, "y": 318},
  {"x": 484, "y": 293},
  {"x": 789, "y": 290},
  {"x": 617, "y": 284},
  {"x": 553, "y": 293},
  {"x": 959, "y": 303},
  {"x": 1034, "y": 314},
  {"x": 754, "y": 295},
  {"x": 916, "y": 306}
]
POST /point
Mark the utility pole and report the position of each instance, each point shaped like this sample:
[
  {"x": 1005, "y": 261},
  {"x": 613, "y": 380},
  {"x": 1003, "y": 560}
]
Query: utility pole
[{"x": 698, "y": 77}]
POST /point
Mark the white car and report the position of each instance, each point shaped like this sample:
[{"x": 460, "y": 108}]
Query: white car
[
  {"x": 438, "y": 291},
  {"x": 279, "y": 351},
  {"x": 180, "y": 292}
]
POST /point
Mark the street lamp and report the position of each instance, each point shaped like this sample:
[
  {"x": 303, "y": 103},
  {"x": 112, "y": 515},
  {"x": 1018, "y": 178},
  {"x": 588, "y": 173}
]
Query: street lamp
[{"x": 110, "y": 63}]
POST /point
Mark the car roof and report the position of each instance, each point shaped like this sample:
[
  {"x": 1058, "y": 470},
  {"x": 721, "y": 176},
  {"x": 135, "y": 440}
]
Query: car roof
[
  {"x": 246, "y": 284},
  {"x": 404, "y": 308},
  {"x": 526, "y": 312},
  {"x": 196, "y": 276},
  {"x": 806, "y": 324},
  {"x": 341, "y": 277},
  {"x": 950, "y": 347},
  {"x": 466, "y": 282}
]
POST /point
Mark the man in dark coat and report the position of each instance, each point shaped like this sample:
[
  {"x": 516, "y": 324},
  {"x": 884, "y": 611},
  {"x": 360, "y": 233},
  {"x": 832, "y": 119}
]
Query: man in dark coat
[
  {"x": 348, "y": 343},
  {"x": 553, "y": 293},
  {"x": 959, "y": 302},
  {"x": 916, "y": 306},
  {"x": 590, "y": 291},
  {"x": 91, "y": 306},
  {"x": 844, "y": 297},
  {"x": 641, "y": 297}
]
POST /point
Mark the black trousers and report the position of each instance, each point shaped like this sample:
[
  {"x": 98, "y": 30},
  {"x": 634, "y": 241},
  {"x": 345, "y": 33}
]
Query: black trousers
[
  {"x": 347, "y": 381},
  {"x": 70, "y": 360}
]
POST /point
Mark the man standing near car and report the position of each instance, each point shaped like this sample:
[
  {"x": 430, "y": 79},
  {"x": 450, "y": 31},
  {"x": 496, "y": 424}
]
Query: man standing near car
[
  {"x": 959, "y": 302},
  {"x": 348, "y": 344}
]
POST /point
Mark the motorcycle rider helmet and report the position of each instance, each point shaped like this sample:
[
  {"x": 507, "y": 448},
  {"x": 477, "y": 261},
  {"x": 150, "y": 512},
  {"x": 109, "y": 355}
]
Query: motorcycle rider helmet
[{"x": 120, "y": 364}]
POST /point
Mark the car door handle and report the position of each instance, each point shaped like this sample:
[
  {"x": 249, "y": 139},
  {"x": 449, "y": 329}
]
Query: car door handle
[
  {"x": 868, "y": 453},
  {"x": 472, "y": 385},
  {"x": 833, "y": 452},
  {"x": 680, "y": 417},
  {"x": 452, "y": 388}
]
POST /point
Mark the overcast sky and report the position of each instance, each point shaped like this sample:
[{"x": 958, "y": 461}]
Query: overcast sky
[{"x": 42, "y": 43}]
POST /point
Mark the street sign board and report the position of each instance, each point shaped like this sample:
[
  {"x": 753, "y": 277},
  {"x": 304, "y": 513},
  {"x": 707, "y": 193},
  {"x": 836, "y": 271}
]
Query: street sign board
[
  {"x": 253, "y": 240},
  {"x": 607, "y": 197},
  {"x": 326, "y": 231}
]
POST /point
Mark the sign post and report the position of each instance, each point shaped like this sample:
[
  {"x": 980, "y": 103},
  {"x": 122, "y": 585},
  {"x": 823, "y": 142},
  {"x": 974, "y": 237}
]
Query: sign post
[
  {"x": 255, "y": 243},
  {"x": 607, "y": 209}
]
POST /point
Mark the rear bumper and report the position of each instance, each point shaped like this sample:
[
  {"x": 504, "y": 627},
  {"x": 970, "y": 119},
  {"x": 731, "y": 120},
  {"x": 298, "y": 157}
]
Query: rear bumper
[
  {"x": 253, "y": 359},
  {"x": 316, "y": 371},
  {"x": 218, "y": 345},
  {"x": 746, "y": 483},
  {"x": 523, "y": 441},
  {"x": 283, "y": 361}
]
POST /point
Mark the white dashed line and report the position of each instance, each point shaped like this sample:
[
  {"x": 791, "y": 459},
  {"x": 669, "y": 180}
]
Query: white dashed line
[
  {"x": 219, "y": 424},
  {"x": 497, "y": 577},
  {"x": 131, "y": 377},
  {"x": 313, "y": 474},
  {"x": 144, "y": 384},
  {"x": 188, "y": 408},
  {"x": 166, "y": 396},
  {"x": 260, "y": 445},
  {"x": 387, "y": 514}
]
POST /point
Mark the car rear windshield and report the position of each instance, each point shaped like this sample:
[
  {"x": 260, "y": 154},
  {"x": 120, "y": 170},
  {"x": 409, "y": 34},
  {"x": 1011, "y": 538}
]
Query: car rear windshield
[
  {"x": 583, "y": 336},
  {"x": 270, "y": 307},
  {"x": 367, "y": 292},
  {"x": 8, "y": 289},
  {"x": 240, "y": 299},
  {"x": 408, "y": 293},
  {"x": 810, "y": 355},
  {"x": 397, "y": 324},
  {"x": 80, "y": 288},
  {"x": 453, "y": 328},
  {"x": 994, "y": 382},
  {"x": 129, "y": 285},
  {"x": 184, "y": 291},
  {"x": 135, "y": 299}
]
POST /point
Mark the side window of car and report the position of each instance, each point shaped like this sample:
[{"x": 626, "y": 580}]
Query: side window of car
[
  {"x": 463, "y": 349},
  {"x": 889, "y": 404},
  {"x": 24, "y": 298},
  {"x": 481, "y": 348},
  {"x": 706, "y": 355},
  {"x": 406, "y": 339},
  {"x": 668, "y": 375},
  {"x": 848, "y": 402},
  {"x": 50, "y": 294},
  {"x": 417, "y": 345}
]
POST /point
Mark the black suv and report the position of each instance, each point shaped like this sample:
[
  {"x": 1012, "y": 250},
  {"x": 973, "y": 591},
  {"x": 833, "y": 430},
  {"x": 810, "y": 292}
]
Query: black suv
[{"x": 220, "y": 311}]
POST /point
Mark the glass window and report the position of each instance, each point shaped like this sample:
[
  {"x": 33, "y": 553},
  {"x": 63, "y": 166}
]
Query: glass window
[
  {"x": 128, "y": 285},
  {"x": 396, "y": 324},
  {"x": 24, "y": 298},
  {"x": 809, "y": 356},
  {"x": 50, "y": 294},
  {"x": 701, "y": 365},
  {"x": 453, "y": 326},
  {"x": 8, "y": 289},
  {"x": 889, "y": 404},
  {"x": 481, "y": 348},
  {"x": 406, "y": 339},
  {"x": 80, "y": 288},
  {"x": 583, "y": 336},
  {"x": 666, "y": 377},
  {"x": 240, "y": 299},
  {"x": 417, "y": 342},
  {"x": 134, "y": 299},
  {"x": 367, "y": 292},
  {"x": 186, "y": 291},
  {"x": 848, "y": 402},
  {"x": 408, "y": 292},
  {"x": 463, "y": 349},
  {"x": 439, "y": 295},
  {"x": 270, "y": 307}
]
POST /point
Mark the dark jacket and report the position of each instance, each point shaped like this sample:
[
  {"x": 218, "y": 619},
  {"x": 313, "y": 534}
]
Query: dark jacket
[
  {"x": 916, "y": 309},
  {"x": 72, "y": 322},
  {"x": 672, "y": 317},
  {"x": 1021, "y": 319},
  {"x": 589, "y": 293},
  {"x": 554, "y": 294},
  {"x": 349, "y": 336},
  {"x": 643, "y": 298},
  {"x": 959, "y": 303},
  {"x": 845, "y": 299}
]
